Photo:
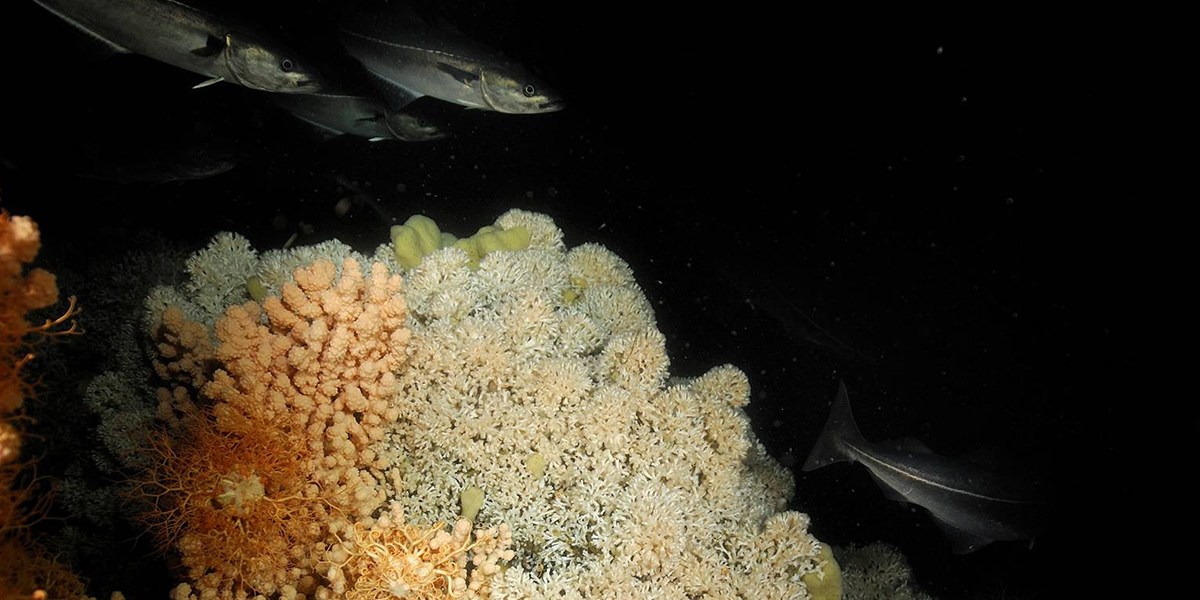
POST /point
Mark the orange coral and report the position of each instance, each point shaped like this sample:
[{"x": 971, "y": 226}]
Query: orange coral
[
  {"x": 279, "y": 455},
  {"x": 186, "y": 360},
  {"x": 321, "y": 370},
  {"x": 21, "y": 292},
  {"x": 32, "y": 574}
]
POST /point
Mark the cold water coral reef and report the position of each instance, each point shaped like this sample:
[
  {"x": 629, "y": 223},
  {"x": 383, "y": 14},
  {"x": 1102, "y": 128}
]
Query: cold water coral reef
[{"x": 494, "y": 425}]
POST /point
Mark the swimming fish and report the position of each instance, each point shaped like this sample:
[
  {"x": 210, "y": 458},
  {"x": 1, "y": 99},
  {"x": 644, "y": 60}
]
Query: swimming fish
[
  {"x": 182, "y": 35},
  {"x": 974, "y": 503},
  {"x": 187, "y": 160},
  {"x": 338, "y": 112},
  {"x": 410, "y": 58}
]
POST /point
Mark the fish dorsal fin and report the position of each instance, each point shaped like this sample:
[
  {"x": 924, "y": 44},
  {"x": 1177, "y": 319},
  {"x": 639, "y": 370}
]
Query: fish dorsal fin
[{"x": 462, "y": 76}]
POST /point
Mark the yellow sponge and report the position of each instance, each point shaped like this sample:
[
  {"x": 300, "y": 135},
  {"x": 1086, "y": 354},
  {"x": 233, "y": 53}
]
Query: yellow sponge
[
  {"x": 472, "y": 500},
  {"x": 419, "y": 236},
  {"x": 416, "y": 238},
  {"x": 490, "y": 239},
  {"x": 826, "y": 585}
]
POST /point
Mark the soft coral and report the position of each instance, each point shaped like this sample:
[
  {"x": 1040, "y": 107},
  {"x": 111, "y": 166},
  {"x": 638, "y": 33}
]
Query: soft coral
[{"x": 28, "y": 571}]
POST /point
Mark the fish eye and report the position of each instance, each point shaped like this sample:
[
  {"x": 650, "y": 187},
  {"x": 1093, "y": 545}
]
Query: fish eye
[
  {"x": 422, "y": 122},
  {"x": 287, "y": 64},
  {"x": 529, "y": 90}
]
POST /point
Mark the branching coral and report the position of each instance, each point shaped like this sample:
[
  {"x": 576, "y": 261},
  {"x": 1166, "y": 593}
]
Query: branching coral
[
  {"x": 321, "y": 371},
  {"x": 22, "y": 291},
  {"x": 248, "y": 508},
  {"x": 28, "y": 571}
]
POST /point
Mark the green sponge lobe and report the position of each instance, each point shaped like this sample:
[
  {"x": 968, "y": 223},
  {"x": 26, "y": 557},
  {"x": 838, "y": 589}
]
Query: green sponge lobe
[
  {"x": 419, "y": 237},
  {"x": 827, "y": 584},
  {"x": 416, "y": 238},
  {"x": 472, "y": 501}
]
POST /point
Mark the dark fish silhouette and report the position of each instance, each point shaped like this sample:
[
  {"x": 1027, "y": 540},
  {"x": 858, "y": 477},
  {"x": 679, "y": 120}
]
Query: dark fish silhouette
[
  {"x": 973, "y": 503},
  {"x": 187, "y": 37},
  {"x": 797, "y": 323},
  {"x": 187, "y": 160}
]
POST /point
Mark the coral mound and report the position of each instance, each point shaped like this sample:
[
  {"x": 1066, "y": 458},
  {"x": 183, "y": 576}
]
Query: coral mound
[{"x": 529, "y": 387}]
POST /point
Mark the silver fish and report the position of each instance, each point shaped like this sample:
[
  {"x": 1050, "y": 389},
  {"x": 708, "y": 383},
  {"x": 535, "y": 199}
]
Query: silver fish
[
  {"x": 186, "y": 161},
  {"x": 189, "y": 38},
  {"x": 973, "y": 503},
  {"x": 336, "y": 113},
  {"x": 411, "y": 58}
]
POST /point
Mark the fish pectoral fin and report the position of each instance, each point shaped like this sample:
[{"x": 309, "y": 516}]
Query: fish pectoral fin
[
  {"x": 462, "y": 76},
  {"x": 378, "y": 139},
  {"x": 208, "y": 82},
  {"x": 374, "y": 119},
  {"x": 212, "y": 47}
]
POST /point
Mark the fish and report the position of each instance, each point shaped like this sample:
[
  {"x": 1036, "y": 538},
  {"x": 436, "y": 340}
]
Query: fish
[
  {"x": 973, "y": 502},
  {"x": 187, "y": 160},
  {"x": 409, "y": 58},
  {"x": 802, "y": 326},
  {"x": 182, "y": 35},
  {"x": 337, "y": 112}
]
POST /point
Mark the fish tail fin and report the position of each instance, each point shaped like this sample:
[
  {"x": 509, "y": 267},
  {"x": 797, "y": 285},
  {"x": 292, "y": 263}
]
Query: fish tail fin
[{"x": 830, "y": 447}]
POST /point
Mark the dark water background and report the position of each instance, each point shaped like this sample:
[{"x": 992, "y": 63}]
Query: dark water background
[{"x": 811, "y": 197}]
